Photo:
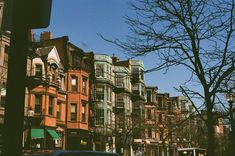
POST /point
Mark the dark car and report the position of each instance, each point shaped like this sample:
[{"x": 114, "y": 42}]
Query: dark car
[{"x": 78, "y": 153}]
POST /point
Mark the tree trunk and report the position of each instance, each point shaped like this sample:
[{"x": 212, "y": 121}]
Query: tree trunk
[{"x": 211, "y": 134}]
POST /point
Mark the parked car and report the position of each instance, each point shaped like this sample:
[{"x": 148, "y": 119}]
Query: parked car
[{"x": 77, "y": 153}]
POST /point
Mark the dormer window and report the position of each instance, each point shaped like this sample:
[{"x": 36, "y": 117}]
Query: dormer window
[{"x": 38, "y": 70}]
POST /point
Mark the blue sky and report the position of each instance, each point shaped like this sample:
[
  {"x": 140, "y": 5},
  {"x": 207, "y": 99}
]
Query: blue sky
[{"x": 82, "y": 20}]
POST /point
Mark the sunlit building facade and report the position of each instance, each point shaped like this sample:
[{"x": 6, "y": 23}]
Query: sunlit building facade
[
  {"x": 103, "y": 104},
  {"x": 123, "y": 106}
]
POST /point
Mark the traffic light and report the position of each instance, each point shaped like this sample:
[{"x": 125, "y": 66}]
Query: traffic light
[{"x": 37, "y": 13}]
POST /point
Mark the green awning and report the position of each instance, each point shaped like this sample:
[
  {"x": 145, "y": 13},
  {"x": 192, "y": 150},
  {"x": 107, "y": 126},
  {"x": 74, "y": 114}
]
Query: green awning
[
  {"x": 53, "y": 134},
  {"x": 37, "y": 133}
]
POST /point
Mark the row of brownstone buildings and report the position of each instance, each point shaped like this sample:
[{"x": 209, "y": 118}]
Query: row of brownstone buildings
[{"x": 86, "y": 101}]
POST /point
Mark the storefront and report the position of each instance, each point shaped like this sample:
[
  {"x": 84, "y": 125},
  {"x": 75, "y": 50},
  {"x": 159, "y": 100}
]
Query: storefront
[
  {"x": 42, "y": 138},
  {"x": 78, "y": 139}
]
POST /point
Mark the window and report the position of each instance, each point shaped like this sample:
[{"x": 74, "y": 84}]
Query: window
[
  {"x": 120, "y": 101},
  {"x": 149, "y": 115},
  {"x": 149, "y": 132},
  {"x": 83, "y": 112},
  {"x": 3, "y": 101},
  {"x": 149, "y": 96},
  {"x": 99, "y": 93},
  {"x": 99, "y": 116},
  {"x": 84, "y": 85},
  {"x": 142, "y": 74},
  {"x": 74, "y": 83},
  {"x": 38, "y": 104},
  {"x": 73, "y": 112},
  {"x": 120, "y": 82},
  {"x": 135, "y": 70},
  {"x": 51, "y": 102},
  {"x": 38, "y": 70},
  {"x": 99, "y": 70},
  {"x": 58, "y": 110}
]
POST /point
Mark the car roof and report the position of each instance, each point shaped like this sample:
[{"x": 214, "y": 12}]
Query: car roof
[{"x": 81, "y": 153}]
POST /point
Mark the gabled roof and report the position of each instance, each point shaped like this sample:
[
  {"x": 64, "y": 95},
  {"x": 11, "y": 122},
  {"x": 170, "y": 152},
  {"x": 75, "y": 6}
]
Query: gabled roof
[
  {"x": 50, "y": 53},
  {"x": 43, "y": 51}
]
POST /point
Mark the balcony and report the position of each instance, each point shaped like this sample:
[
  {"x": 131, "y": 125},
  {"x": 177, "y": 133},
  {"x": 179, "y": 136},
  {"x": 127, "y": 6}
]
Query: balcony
[
  {"x": 121, "y": 89},
  {"x": 34, "y": 81}
]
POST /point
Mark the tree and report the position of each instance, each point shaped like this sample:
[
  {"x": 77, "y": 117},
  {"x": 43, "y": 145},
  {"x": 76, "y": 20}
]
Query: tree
[{"x": 196, "y": 34}]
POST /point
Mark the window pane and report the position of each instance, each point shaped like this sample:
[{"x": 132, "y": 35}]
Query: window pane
[
  {"x": 38, "y": 70},
  {"x": 74, "y": 83},
  {"x": 83, "y": 112},
  {"x": 73, "y": 112},
  {"x": 3, "y": 100},
  {"x": 120, "y": 82},
  {"x": 99, "y": 93},
  {"x": 58, "y": 111},
  {"x": 84, "y": 85},
  {"x": 120, "y": 101},
  {"x": 99, "y": 116},
  {"x": 38, "y": 104},
  {"x": 51, "y": 102},
  {"x": 149, "y": 133}
]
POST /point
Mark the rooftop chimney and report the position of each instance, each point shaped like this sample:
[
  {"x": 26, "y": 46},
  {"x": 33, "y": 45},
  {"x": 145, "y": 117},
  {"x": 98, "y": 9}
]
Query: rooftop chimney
[
  {"x": 46, "y": 35},
  {"x": 115, "y": 59}
]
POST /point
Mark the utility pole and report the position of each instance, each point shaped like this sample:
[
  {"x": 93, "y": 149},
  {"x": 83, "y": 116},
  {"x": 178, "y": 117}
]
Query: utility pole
[
  {"x": 14, "y": 108},
  {"x": 26, "y": 14}
]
